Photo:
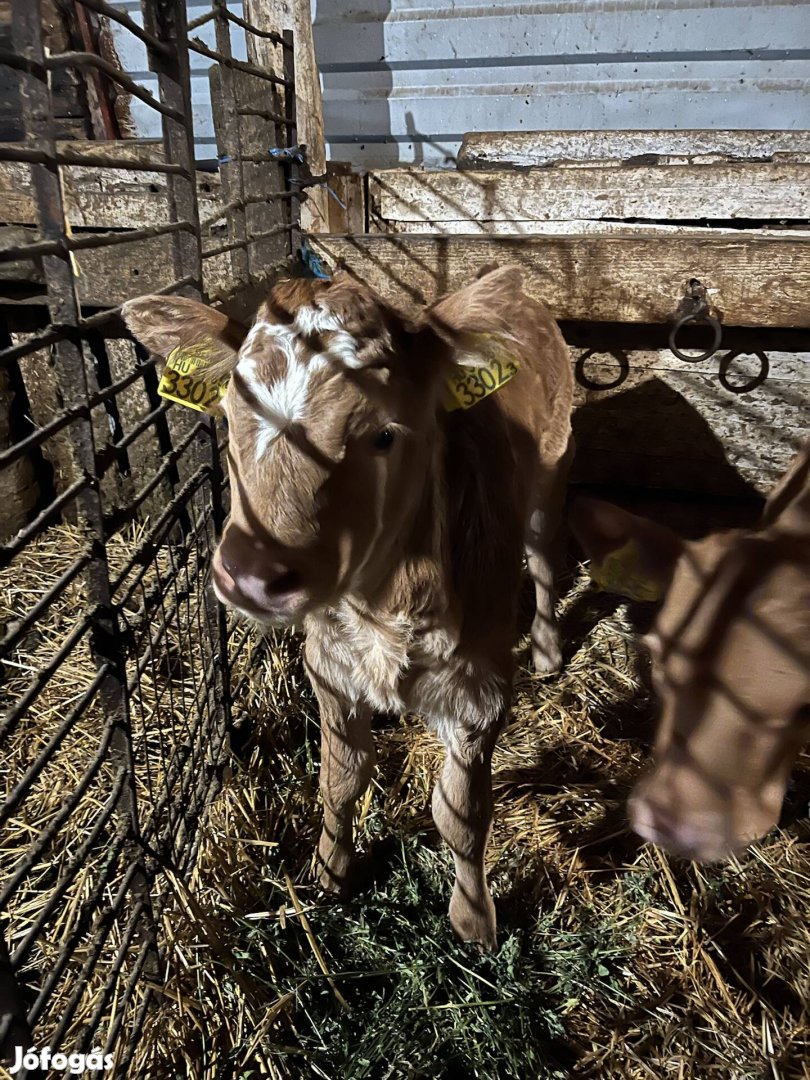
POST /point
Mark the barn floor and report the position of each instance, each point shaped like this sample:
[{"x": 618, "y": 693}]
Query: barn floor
[{"x": 615, "y": 962}]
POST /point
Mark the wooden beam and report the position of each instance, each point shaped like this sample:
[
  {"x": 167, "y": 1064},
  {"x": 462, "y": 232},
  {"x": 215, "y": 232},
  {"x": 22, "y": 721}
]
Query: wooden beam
[
  {"x": 753, "y": 279},
  {"x": 296, "y": 15},
  {"x": 496, "y": 149},
  {"x": 656, "y": 193},
  {"x": 346, "y": 203}
]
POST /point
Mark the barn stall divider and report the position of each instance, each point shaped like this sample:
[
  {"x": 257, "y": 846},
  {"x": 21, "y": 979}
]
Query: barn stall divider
[{"x": 118, "y": 665}]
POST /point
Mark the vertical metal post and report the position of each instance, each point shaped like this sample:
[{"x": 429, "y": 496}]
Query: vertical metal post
[
  {"x": 231, "y": 165},
  {"x": 166, "y": 20},
  {"x": 293, "y": 169}
]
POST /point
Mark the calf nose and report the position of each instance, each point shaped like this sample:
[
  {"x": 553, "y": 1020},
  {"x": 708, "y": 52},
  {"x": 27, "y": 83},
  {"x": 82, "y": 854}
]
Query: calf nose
[
  {"x": 247, "y": 575},
  {"x": 700, "y": 836},
  {"x": 271, "y": 581}
]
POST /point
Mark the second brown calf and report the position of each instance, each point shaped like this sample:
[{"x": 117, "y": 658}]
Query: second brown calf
[
  {"x": 731, "y": 666},
  {"x": 392, "y": 529}
]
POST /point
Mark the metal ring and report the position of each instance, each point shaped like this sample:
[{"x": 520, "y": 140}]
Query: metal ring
[
  {"x": 709, "y": 320},
  {"x": 752, "y": 384},
  {"x": 585, "y": 381}
]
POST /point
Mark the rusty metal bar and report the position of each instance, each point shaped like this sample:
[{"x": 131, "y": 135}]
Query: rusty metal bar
[
  {"x": 201, "y": 20},
  {"x": 37, "y": 156},
  {"x": 230, "y": 135},
  {"x": 254, "y": 238},
  {"x": 88, "y": 242},
  {"x": 157, "y": 597},
  {"x": 17, "y": 630},
  {"x": 107, "y": 688},
  {"x": 200, "y": 47},
  {"x": 269, "y": 35},
  {"x": 292, "y": 170},
  {"x": 241, "y": 204},
  {"x": 121, "y": 17},
  {"x": 40, "y": 68},
  {"x": 266, "y": 114}
]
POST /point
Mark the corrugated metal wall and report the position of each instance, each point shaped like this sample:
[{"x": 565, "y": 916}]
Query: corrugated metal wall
[{"x": 403, "y": 80}]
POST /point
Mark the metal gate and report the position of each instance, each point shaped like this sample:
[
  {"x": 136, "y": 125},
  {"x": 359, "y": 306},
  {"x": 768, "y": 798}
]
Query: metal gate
[{"x": 116, "y": 661}]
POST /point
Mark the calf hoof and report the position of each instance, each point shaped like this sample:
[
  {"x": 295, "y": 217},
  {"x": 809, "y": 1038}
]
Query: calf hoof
[
  {"x": 332, "y": 872},
  {"x": 546, "y": 661},
  {"x": 546, "y": 652},
  {"x": 473, "y": 919}
]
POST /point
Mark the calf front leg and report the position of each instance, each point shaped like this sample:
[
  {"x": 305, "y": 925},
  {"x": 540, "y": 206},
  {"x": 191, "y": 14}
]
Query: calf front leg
[
  {"x": 347, "y": 762},
  {"x": 462, "y": 811}
]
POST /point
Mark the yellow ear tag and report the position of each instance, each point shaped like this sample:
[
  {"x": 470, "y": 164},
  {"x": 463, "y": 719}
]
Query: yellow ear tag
[
  {"x": 180, "y": 384},
  {"x": 467, "y": 385},
  {"x": 619, "y": 572}
]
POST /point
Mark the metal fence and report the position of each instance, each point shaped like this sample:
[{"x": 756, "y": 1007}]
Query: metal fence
[{"x": 116, "y": 663}]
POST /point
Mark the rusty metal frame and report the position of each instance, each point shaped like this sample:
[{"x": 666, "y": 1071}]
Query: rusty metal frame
[{"x": 150, "y": 788}]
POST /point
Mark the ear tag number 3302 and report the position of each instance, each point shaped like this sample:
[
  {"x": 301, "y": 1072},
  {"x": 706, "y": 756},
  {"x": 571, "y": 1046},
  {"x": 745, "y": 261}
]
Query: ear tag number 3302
[
  {"x": 181, "y": 384},
  {"x": 468, "y": 384}
]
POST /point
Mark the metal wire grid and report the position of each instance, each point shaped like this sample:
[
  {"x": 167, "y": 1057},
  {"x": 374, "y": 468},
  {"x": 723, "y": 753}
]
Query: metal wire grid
[{"x": 115, "y": 657}]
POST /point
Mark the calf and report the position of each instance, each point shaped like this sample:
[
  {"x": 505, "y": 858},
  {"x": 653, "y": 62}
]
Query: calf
[
  {"x": 730, "y": 661},
  {"x": 391, "y": 527}
]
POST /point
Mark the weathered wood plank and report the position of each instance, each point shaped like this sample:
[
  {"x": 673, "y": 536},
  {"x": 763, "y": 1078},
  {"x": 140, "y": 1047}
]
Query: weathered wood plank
[
  {"x": 657, "y": 193},
  {"x": 753, "y": 280},
  {"x": 97, "y": 198},
  {"x": 296, "y": 15},
  {"x": 346, "y": 204},
  {"x": 509, "y": 148},
  {"x": 18, "y": 486},
  {"x": 262, "y": 178},
  {"x": 578, "y": 226},
  {"x": 108, "y": 276}
]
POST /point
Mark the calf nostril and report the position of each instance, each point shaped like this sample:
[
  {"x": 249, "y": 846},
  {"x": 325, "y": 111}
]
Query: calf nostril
[
  {"x": 287, "y": 582},
  {"x": 228, "y": 564}
]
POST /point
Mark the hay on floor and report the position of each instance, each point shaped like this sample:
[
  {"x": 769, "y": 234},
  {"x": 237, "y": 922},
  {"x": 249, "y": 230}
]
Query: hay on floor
[{"x": 615, "y": 961}]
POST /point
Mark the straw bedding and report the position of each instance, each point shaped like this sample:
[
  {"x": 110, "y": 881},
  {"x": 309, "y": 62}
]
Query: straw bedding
[{"x": 614, "y": 961}]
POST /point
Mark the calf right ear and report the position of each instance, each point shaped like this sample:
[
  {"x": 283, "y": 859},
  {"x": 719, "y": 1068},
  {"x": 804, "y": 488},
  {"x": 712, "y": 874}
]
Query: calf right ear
[
  {"x": 163, "y": 323},
  {"x": 629, "y": 554}
]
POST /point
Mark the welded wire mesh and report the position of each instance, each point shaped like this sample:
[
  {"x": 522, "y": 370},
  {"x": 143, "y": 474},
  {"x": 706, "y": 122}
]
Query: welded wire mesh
[{"x": 115, "y": 658}]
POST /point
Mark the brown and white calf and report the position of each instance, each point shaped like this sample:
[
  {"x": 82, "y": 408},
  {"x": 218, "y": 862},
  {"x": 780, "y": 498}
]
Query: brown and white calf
[
  {"x": 731, "y": 666},
  {"x": 392, "y": 529}
]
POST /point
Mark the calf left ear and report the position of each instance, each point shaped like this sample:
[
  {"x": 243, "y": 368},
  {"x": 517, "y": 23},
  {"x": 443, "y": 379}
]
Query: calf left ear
[
  {"x": 163, "y": 323},
  {"x": 629, "y": 554}
]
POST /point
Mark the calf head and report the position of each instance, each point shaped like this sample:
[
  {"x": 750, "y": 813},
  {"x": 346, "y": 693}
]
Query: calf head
[
  {"x": 730, "y": 653},
  {"x": 331, "y": 408}
]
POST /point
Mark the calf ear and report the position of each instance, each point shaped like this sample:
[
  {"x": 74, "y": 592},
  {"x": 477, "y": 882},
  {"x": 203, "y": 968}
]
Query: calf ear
[
  {"x": 483, "y": 307},
  {"x": 629, "y": 554},
  {"x": 163, "y": 323}
]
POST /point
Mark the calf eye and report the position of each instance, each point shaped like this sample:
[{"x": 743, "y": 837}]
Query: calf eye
[{"x": 384, "y": 440}]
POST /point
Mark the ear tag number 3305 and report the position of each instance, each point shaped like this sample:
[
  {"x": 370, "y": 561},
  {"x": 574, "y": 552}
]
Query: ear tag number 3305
[{"x": 181, "y": 384}]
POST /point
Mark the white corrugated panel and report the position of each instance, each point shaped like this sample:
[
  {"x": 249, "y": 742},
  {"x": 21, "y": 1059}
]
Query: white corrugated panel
[
  {"x": 133, "y": 58},
  {"x": 403, "y": 80}
]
